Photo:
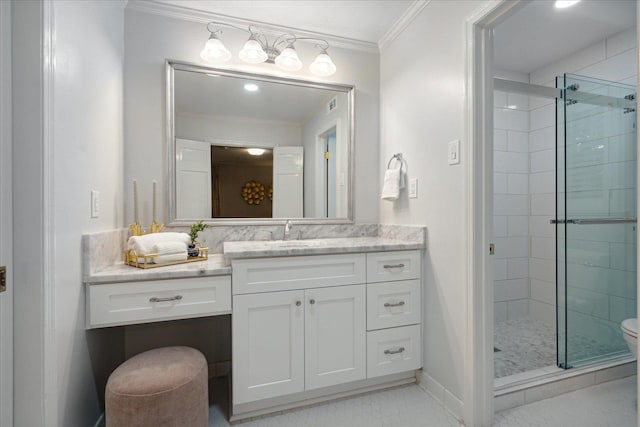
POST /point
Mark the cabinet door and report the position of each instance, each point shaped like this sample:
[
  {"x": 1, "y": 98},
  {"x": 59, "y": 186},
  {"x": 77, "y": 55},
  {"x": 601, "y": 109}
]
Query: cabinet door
[
  {"x": 335, "y": 335},
  {"x": 268, "y": 345}
]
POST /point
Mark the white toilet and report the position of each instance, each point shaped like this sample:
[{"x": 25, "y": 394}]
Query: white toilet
[{"x": 630, "y": 331}]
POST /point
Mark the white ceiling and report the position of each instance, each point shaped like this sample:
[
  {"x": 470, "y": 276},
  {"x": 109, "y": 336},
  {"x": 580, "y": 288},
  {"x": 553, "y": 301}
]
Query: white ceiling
[
  {"x": 364, "y": 20},
  {"x": 540, "y": 34},
  {"x": 536, "y": 35}
]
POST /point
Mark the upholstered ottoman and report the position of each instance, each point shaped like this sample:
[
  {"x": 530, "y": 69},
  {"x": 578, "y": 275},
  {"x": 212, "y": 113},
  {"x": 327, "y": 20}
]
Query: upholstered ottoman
[{"x": 162, "y": 387}]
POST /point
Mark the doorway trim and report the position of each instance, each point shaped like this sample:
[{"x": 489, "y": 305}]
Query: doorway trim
[
  {"x": 6, "y": 220},
  {"x": 478, "y": 358}
]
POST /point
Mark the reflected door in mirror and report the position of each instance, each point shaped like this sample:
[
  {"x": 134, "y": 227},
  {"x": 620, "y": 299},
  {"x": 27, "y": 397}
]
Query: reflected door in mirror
[{"x": 193, "y": 179}]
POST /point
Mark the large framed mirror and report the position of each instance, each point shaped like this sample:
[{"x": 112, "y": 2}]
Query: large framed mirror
[{"x": 247, "y": 148}]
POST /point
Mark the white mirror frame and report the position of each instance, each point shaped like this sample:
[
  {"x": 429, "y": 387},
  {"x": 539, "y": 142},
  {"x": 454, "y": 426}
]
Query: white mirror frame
[{"x": 171, "y": 66}]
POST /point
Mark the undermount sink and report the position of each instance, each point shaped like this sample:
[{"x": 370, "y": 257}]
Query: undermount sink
[{"x": 288, "y": 243}]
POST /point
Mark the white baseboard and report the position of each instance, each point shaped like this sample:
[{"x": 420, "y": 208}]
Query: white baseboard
[{"x": 441, "y": 394}]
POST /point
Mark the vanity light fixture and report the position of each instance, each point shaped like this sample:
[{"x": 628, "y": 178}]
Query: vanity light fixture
[
  {"x": 257, "y": 49},
  {"x": 562, "y": 4},
  {"x": 255, "y": 151},
  {"x": 251, "y": 87}
]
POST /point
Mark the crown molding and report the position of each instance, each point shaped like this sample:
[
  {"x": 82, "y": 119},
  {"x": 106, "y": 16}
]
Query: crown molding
[
  {"x": 402, "y": 23},
  {"x": 195, "y": 15}
]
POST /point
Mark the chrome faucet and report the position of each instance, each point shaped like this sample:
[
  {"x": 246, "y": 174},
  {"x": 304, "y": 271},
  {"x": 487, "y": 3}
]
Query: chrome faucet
[{"x": 287, "y": 230}]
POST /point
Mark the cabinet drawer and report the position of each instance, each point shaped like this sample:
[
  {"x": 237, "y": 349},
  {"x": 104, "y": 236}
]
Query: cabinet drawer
[
  {"x": 389, "y": 266},
  {"x": 394, "y": 350},
  {"x": 151, "y": 301},
  {"x": 391, "y": 304},
  {"x": 287, "y": 273}
]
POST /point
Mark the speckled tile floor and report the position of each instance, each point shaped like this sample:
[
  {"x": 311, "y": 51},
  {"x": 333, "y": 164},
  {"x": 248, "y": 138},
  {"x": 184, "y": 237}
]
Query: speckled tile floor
[
  {"x": 407, "y": 406},
  {"x": 611, "y": 404}
]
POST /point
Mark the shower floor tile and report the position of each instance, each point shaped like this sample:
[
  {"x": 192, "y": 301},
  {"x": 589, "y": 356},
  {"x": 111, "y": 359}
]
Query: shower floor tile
[{"x": 524, "y": 345}]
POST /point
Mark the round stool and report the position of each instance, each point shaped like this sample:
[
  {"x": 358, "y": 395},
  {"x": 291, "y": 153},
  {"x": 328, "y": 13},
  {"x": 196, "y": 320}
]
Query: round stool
[{"x": 162, "y": 387}]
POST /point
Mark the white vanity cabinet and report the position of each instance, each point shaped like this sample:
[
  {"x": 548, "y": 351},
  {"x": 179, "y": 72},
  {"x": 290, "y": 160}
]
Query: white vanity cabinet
[
  {"x": 312, "y": 336},
  {"x": 268, "y": 345},
  {"x": 307, "y": 322},
  {"x": 393, "y": 312},
  {"x": 127, "y": 303},
  {"x": 286, "y": 342}
]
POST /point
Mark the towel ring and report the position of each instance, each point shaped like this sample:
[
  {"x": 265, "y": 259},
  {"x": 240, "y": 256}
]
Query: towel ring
[{"x": 398, "y": 157}]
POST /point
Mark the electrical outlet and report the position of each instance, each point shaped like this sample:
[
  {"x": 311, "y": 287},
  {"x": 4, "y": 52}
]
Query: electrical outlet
[
  {"x": 413, "y": 188},
  {"x": 95, "y": 203},
  {"x": 454, "y": 152}
]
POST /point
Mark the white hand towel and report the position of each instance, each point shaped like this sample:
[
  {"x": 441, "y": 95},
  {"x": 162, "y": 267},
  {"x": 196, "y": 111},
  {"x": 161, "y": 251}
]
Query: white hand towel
[
  {"x": 144, "y": 244},
  {"x": 166, "y": 248},
  {"x": 391, "y": 185},
  {"x": 161, "y": 259}
]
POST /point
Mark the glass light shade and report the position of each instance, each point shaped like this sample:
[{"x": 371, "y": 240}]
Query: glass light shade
[
  {"x": 214, "y": 51},
  {"x": 562, "y": 4},
  {"x": 255, "y": 151},
  {"x": 288, "y": 60},
  {"x": 323, "y": 65},
  {"x": 252, "y": 52}
]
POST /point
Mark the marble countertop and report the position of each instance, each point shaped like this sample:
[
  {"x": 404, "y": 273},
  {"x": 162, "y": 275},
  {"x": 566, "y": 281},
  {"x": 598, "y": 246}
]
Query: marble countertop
[
  {"x": 269, "y": 248},
  {"x": 216, "y": 265}
]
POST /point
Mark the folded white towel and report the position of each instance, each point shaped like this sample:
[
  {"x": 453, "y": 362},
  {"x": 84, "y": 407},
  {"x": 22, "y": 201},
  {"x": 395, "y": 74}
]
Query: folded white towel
[
  {"x": 166, "y": 248},
  {"x": 391, "y": 186},
  {"x": 161, "y": 259},
  {"x": 144, "y": 244}
]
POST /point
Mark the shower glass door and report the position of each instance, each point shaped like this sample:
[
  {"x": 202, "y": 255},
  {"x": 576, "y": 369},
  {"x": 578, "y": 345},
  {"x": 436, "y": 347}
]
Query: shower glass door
[{"x": 596, "y": 166}]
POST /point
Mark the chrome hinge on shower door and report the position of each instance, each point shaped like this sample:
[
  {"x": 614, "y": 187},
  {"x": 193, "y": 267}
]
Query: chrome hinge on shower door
[
  {"x": 3, "y": 278},
  {"x": 492, "y": 249}
]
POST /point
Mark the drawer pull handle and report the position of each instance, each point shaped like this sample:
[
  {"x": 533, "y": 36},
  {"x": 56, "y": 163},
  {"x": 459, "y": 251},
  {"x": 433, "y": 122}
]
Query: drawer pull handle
[
  {"x": 400, "y": 350},
  {"x": 298, "y": 303},
  {"x": 156, "y": 299},
  {"x": 312, "y": 301},
  {"x": 388, "y": 266},
  {"x": 395, "y": 304}
]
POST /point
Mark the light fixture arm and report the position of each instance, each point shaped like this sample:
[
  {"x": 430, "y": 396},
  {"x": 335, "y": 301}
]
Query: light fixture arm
[{"x": 323, "y": 47}]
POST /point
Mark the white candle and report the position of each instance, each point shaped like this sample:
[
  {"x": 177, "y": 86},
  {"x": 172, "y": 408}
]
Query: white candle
[
  {"x": 154, "y": 201},
  {"x": 135, "y": 200}
]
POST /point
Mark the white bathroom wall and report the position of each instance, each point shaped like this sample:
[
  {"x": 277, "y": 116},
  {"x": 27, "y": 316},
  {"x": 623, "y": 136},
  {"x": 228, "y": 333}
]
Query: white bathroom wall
[
  {"x": 261, "y": 132},
  {"x": 87, "y": 148},
  {"x": 422, "y": 109},
  {"x": 152, "y": 38},
  {"x": 511, "y": 202},
  {"x": 613, "y": 59}
]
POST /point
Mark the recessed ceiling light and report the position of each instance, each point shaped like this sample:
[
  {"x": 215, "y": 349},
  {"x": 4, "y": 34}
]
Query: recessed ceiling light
[
  {"x": 561, "y": 4},
  {"x": 251, "y": 87},
  {"x": 255, "y": 151}
]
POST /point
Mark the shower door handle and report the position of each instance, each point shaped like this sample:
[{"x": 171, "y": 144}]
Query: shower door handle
[{"x": 595, "y": 221}]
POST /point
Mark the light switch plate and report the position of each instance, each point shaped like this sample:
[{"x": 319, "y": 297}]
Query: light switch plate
[
  {"x": 454, "y": 152},
  {"x": 413, "y": 188},
  {"x": 95, "y": 203}
]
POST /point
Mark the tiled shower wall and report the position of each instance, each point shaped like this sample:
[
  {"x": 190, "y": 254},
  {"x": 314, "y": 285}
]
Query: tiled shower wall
[
  {"x": 511, "y": 204},
  {"x": 613, "y": 59}
]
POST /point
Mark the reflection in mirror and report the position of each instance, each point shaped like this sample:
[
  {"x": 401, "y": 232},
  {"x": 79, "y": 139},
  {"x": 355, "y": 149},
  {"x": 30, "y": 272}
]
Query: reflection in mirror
[{"x": 246, "y": 147}]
